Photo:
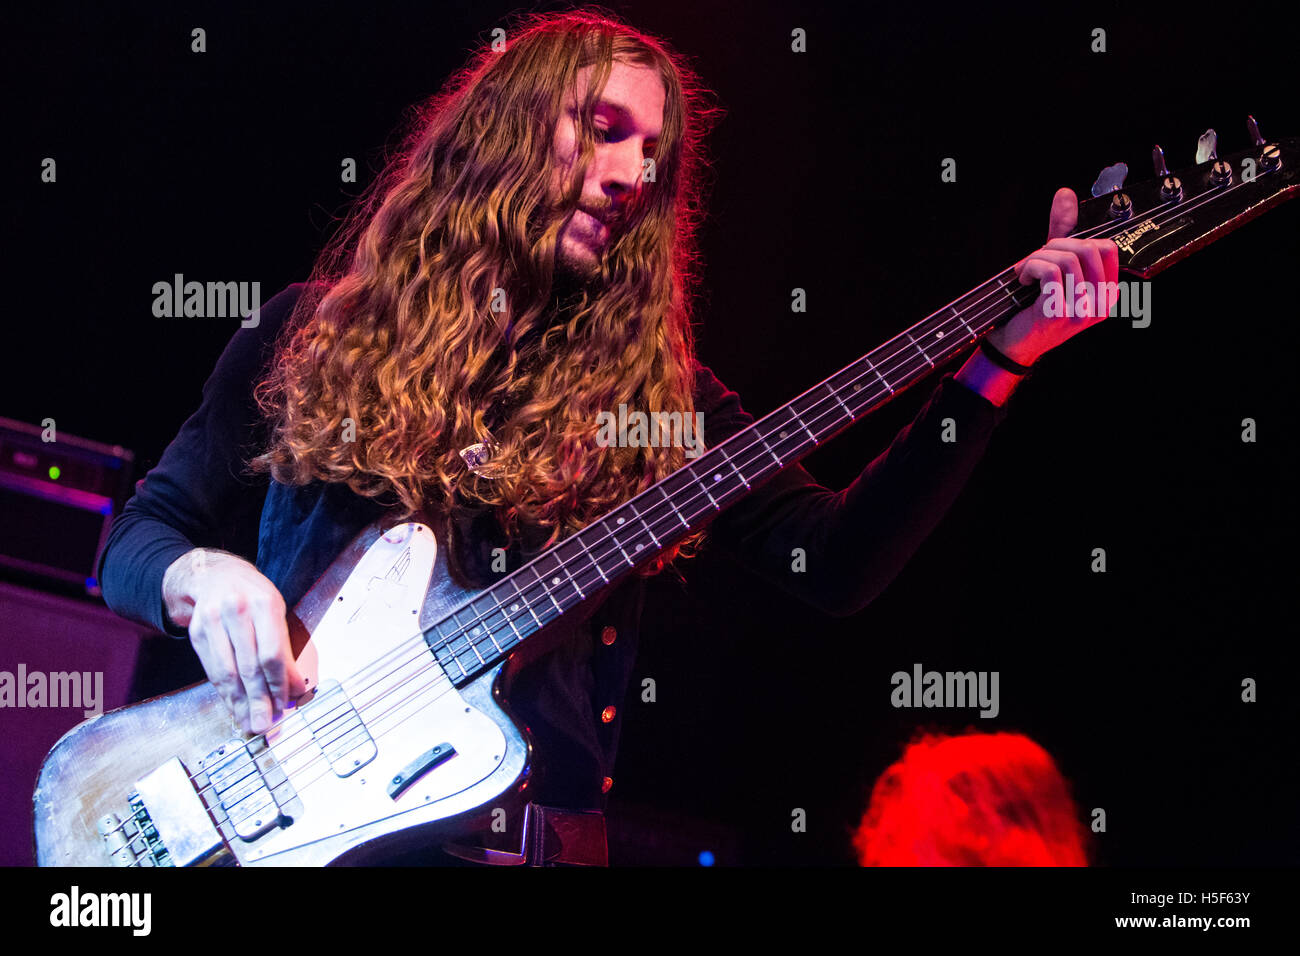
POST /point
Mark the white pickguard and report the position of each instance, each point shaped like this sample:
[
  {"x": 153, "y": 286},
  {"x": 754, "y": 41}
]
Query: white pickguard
[{"x": 370, "y": 642}]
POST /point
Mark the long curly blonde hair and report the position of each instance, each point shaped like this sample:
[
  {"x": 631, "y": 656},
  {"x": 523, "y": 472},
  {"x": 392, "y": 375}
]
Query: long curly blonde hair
[{"x": 400, "y": 334}]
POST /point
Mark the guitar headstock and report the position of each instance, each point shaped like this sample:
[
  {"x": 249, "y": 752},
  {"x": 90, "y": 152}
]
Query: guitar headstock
[{"x": 1159, "y": 222}]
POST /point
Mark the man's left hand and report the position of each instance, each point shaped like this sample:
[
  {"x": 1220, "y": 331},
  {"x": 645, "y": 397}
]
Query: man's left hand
[{"x": 1086, "y": 271}]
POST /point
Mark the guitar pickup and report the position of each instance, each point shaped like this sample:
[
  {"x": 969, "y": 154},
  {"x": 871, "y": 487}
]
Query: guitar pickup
[
  {"x": 248, "y": 784},
  {"x": 339, "y": 730},
  {"x": 418, "y": 767}
]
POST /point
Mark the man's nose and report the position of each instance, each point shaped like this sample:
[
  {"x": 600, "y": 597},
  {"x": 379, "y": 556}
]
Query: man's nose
[{"x": 622, "y": 179}]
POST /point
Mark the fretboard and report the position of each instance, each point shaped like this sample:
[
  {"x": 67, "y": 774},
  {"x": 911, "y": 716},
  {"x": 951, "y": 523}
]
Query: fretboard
[{"x": 485, "y": 629}]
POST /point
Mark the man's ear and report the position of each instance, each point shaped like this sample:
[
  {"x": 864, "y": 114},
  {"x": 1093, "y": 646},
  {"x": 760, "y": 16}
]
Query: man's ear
[{"x": 1065, "y": 213}]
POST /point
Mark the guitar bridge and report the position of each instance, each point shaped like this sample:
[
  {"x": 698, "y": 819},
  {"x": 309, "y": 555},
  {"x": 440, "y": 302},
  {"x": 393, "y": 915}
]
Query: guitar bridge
[{"x": 167, "y": 823}]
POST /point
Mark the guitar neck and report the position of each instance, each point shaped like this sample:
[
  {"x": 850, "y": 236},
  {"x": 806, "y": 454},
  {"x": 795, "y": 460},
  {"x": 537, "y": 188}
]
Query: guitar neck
[{"x": 481, "y": 633}]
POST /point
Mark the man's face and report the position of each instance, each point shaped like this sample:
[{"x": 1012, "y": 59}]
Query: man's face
[{"x": 628, "y": 119}]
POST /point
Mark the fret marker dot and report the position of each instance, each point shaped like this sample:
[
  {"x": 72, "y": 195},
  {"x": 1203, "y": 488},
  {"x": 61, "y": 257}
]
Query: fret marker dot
[
  {"x": 620, "y": 521},
  {"x": 514, "y": 607},
  {"x": 477, "y": 629},
  {"x": 555, "y": 580},
  {"x": 782, "y": 434},
  {"x": 857, "y": 387},
  {"x": 938, "y": 335},
  {"x": 640, "y": 546},
  {"x": 717, "y": 477}
]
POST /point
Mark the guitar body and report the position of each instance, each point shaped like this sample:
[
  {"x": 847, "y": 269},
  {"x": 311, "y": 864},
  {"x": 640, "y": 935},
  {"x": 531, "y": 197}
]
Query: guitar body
[{"x": 387, "y": 755}]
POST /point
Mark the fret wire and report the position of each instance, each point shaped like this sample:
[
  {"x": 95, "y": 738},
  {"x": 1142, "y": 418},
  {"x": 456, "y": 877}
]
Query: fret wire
[
  {"x": 962, "y": 320},
  {"x": 667, "y": 517},
  {"x": 784, "y": 438},
  {"x": 769, "y": 451},
  {"x": 918, "y": 348},
  {"x": 558, "y": 608},
  {"x": 648, "y": 529},
  {"x": 450, "y": 657},
  {"x": 703, "y": 487},
  {"x": 739, "y": 474},
  {"x": 701, "y": 512},
  {"x": 582, "y": 544},
  {"x": 805, "y": 426},
  {"x": 448, "y": 639},
  {"x": 466, "y": 635},
  {"x": 471, "y": 649},
  {"x": 872, "y": 398},
  {"x": 617, "y": 543},
  {"x": 527, "y": 602},
  {"x": 836, "y": 395},
  {"x": 1007, "y": 290},
  {"x": 491, "y": 630},
  {"x": 906, "y": 374},
  {"x": 873, "y": 368},
  {"x": 538, "y": 579},
  {"x": 488, "y": 637},
  {"x": 564, "y": 566},
  {"x": 487, "y": 628},
  {"x": 664, "y": 522},
  {"x": 800, "y": 444},
  {"x": 663, "y": 494}
]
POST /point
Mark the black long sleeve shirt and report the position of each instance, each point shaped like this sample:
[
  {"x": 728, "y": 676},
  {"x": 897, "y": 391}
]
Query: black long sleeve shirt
[{"x": 201, "y": 495}]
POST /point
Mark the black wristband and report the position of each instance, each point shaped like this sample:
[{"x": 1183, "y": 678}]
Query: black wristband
[{"x": 1001, "y": 361}]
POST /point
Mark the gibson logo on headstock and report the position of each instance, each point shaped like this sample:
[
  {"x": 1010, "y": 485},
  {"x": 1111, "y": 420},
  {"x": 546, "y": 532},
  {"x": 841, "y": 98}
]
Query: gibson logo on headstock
[{"x": 1126, "y": 239}]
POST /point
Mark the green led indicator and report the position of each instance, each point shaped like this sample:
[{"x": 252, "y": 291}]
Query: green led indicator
[{"x": 54, "y": 472}]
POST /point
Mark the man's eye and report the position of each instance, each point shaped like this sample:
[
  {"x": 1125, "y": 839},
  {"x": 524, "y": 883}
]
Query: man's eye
[{"x": 602, "y": 133}]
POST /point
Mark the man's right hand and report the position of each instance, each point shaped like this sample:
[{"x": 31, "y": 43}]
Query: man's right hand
[{"x": 236, "y": 620}]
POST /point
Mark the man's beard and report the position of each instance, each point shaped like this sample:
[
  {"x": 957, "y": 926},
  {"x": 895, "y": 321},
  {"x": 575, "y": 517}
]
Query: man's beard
[
  {"x": 569, "y": 279},
  {"x": 568, "y": 289},
  {"x": 568, "y": 284},
  {"x": 574, "y": 274}
]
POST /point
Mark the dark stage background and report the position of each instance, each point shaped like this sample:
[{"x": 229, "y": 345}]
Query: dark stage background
[{"x": 226, "y": 164}]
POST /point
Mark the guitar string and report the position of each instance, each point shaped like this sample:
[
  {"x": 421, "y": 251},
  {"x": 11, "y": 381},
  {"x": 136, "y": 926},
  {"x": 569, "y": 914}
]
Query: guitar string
[{"x": 1153, "y": 216}]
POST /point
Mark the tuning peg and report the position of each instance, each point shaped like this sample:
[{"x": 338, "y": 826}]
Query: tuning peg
[
  {"x": 1206, "y": 147},
  {"x": 1158, "y": 161},
  {"x": 1110, "y": 179},
  {"x": 1171, "y": 189},
  {"x": 1252, "y": 128}
]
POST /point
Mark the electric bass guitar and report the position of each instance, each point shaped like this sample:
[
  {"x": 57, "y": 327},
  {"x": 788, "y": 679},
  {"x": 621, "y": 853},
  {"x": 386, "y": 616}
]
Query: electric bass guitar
[{"x": 405, "y": 738}]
